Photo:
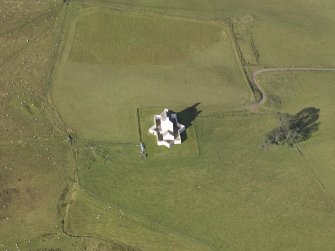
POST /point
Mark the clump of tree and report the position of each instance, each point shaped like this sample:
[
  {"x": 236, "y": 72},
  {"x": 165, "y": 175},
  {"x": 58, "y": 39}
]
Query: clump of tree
[{"x": 294, "y": 128}]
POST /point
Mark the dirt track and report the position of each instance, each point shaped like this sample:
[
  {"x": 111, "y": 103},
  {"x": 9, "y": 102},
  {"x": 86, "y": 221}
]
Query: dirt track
[{"x": 260, "y": 71}]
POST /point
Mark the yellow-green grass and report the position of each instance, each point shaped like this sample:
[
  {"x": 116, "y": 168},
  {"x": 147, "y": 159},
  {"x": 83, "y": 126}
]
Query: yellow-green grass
[
  {"x": 61, "y": 241},
  {"x": 33, "y": 175},
  {"x": 34, "y": 157},
  {"x": 28, "y": 51},
  {"x": 189, "y": 146},
  {"x": 28, "y": 117},
  {"x": 106, "y": 220},
  {"x": 235, "y": 196},
  {"x": 300, "y": 39},
  {"x": 17, "y": 14},
  {"x": 297, "y": 33},
  {"x": 279, "y": 38},
  {"x": 120, "y": 38},
  {"x": 100, "y": 100},
  {"x": 297, "y": 91}
]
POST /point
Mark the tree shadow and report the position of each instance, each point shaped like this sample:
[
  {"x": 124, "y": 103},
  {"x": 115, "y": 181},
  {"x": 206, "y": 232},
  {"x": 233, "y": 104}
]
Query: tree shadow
[
  {"x": 306, "y": 122},
  {"x": 186, "y": 117},
  {"x": 294, "y": 128}
]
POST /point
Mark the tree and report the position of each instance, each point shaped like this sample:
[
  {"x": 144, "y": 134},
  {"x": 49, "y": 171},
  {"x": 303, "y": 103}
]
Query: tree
[{"x": 294, "y": 128}]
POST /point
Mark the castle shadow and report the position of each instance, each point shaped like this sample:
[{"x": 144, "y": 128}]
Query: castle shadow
[{"x": 186, "y": 117}]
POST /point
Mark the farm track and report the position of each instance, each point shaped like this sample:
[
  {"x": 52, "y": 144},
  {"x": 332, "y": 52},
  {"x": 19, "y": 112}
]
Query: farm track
[
  {"x": 262, "y": 102},
  {"x": 254, "y": 86},
  {"x": 278, "y": 70}
]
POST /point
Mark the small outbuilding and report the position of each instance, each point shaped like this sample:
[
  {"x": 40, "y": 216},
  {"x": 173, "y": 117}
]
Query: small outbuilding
[{"x": 167, "y": 129}]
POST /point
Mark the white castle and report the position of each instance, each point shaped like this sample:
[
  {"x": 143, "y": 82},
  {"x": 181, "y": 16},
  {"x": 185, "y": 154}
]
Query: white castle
[{"x": 167, "y": 129}]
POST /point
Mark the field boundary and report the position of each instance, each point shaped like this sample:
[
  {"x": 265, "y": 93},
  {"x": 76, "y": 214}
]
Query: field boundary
[
  {"x": 318, "y": 180},
  {"x": 150, "y": 11},
  {"x": 139, "y": 124},
  {"x": 233, "y": 113},
  {"x": 262, "y": 102},
  {"x": 196, "y": 137},
  {"x": 239, "y": 59},
  {"x": 56, "y": 234},
  {"x": 96, "y": 201},
  {"x": 89, "y": 204}
]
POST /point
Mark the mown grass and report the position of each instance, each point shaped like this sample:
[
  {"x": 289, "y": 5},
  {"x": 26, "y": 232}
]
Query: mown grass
[
  {"x": 296, "y": 40},
  {"x": 292, "y": 34},
  {"x": 109, "y": 94},
  {"x": 128, "y": 39}
]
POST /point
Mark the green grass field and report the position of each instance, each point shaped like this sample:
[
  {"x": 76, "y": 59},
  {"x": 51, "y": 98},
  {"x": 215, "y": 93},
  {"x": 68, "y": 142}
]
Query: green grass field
[
  {"x": 298, "y": 90},
  {"x": 100, "y": 70},
  {"x": 234, "y": 185},
  {"x": 112, "y": 222},
  {"x": 295, "y": 33},
  {"x": 109, "y": 93}
]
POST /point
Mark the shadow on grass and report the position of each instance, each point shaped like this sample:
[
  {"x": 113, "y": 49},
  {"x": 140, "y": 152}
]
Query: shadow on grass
[
  {"x": 294, "y": 128},
  {"x": 306, "y": 122},
  {"x": 186, "y": 117}
]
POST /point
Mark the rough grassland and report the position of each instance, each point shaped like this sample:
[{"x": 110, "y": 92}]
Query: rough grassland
[
  {"x": 108, "y": 95},
  {"x": 33, "y": 156},
  {"x": 35, "y": 160},
  {"x": 60, "y": 241},
  {"x": 33, "y": 177}
]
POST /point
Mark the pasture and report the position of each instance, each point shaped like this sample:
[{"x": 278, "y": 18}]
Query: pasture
[
  {"x": 109, "y": 92},
  {"x": 297, "y": 33},
  {"x": 233, "y": 185},
  {"x": 297, "y": 90},
  {"x": 100, "y": 70}
]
